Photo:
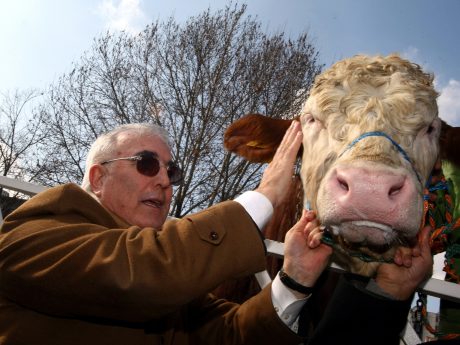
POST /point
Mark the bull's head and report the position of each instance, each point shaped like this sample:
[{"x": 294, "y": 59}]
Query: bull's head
[{"x": 371, "y": 138}]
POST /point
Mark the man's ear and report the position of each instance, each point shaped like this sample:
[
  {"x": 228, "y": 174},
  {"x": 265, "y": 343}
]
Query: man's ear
[{"x": 97, "y": 175}]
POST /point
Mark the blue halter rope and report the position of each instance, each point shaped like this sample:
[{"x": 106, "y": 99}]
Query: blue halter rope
[{"x": 395, "y": 144}]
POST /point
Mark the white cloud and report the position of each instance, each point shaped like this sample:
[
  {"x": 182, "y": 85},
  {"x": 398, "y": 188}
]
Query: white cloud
[
  {"x": 413, "y": 55},
  {"x": 123, "y": 15},
  {"x": 449, "y": 99},
  {"x": 449, "y": 103}
]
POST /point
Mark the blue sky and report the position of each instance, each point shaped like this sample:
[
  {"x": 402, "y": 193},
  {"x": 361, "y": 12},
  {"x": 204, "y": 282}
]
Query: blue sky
[{"x": 39, "y": 39}]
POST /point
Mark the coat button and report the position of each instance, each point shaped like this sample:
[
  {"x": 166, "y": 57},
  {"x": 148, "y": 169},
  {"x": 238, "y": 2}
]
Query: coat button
[{"x": 214, "y": 236}]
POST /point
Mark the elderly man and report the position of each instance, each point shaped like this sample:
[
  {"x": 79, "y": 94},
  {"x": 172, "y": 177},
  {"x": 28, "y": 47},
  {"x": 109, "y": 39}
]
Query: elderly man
[{"x": 99, "y": 264}]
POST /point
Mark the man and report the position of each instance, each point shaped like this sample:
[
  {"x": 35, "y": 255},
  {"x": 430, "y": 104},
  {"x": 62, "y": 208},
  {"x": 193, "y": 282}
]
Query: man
[{"x": 101, "y": 265}]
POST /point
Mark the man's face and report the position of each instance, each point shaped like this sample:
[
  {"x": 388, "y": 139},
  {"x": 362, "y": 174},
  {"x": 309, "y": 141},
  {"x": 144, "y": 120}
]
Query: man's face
[{"x": 138, "y": 199}]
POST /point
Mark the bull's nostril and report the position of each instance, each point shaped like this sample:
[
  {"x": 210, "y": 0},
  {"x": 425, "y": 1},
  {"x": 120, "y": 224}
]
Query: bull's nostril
[
  {"x": 343, "y": 184},
  {"x": 394, "y": 190}
]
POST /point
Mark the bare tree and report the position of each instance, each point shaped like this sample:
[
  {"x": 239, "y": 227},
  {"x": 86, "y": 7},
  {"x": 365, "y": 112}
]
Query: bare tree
[
  {"x": 20, "y": 132},
  {"x": 194, "y": 79}
]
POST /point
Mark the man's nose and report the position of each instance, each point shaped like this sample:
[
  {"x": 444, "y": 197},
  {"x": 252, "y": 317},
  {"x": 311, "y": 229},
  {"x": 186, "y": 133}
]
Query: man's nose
[{"x": 162, "y": 177}]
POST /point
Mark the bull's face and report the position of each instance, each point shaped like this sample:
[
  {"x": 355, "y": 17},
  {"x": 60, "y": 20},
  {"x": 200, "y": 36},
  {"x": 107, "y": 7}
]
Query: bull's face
[
  {"x": 371, "y": 137},
  {"x": 371, "y": 134}
]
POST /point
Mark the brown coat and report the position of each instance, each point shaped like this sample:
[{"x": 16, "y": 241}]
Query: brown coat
[{"x": 73, "y": 273}]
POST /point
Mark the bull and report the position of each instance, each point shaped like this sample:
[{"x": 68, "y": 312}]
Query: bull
[{"x": 371, "y": 138}]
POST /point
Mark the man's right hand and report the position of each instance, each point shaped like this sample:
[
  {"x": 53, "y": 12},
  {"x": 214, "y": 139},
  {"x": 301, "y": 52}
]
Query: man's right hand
[{"x": 278, "y": 175}]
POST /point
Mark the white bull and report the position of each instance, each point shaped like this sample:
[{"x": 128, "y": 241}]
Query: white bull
[{"x": 371, "y": 138}]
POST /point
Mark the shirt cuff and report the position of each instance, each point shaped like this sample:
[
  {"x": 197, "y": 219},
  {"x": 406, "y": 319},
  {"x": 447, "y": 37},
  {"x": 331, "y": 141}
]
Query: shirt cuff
[
  {"x": 257, "y": 206},
  {"x": 286, "y": 304}
]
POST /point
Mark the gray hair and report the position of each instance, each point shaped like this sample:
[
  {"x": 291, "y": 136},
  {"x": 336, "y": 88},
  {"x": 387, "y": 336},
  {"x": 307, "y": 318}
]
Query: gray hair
[{"x": 105, "y": 146}]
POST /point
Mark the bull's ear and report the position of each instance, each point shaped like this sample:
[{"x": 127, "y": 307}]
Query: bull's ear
[
  {"x": 450, "y": 143},
  {"x": 255, "y": 137}
]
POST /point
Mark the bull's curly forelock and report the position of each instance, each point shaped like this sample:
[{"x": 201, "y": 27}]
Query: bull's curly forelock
[
  {"x": 373, "y": 70},
  {"x": 363, "y": 85}
]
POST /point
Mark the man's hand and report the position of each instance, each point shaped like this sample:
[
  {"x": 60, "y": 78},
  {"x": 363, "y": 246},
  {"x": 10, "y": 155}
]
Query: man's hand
[
  {"x": 305, "y": 257},
  {"x": 278, "y": 175},
  {"x": 411, "y": 267}
]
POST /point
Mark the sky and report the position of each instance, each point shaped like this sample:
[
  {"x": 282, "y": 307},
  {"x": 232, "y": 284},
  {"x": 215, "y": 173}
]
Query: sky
[{"x": 39, "y": 39}]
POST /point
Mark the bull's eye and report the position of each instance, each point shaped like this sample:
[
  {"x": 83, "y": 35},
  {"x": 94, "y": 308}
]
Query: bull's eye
[
  {"x": 307, "y": 119},
  {"x": 310, "y": 120},
  {"x": 433, "y": 127}
]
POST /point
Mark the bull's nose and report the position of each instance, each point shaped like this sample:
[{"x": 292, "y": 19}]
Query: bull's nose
[
  {"x": 354, "y": 181},
  {"x": 366, "y": 190}
]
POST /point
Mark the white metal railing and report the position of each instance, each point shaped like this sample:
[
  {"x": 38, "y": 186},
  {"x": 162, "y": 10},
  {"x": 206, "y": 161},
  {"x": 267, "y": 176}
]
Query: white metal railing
[
  {"x": 20, "y": 186},
  {"x": 433, "y": 287}
]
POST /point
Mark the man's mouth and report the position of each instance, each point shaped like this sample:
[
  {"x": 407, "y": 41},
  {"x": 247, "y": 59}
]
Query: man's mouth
[{"x": 157, "y": 203}]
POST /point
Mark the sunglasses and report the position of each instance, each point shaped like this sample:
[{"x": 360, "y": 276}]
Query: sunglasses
[{"x": 148, "y": 164}]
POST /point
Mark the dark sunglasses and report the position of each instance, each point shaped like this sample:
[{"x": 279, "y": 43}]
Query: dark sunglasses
[{"x": 148, "y": 164}]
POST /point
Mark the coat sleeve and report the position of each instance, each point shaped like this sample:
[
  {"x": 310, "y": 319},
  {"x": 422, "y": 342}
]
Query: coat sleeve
[
  {"x": 63, "y": 254},
  {"x": 216, "y": 321},
  {"x": 356, "y": 316}
]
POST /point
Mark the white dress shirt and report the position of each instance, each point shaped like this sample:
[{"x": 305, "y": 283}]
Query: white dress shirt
[{"x": 286, "y": 304}]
